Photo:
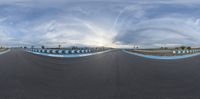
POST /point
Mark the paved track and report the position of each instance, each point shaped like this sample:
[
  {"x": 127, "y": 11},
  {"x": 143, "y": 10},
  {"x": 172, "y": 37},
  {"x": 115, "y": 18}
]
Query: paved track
[{"x": 112, "y": 75}]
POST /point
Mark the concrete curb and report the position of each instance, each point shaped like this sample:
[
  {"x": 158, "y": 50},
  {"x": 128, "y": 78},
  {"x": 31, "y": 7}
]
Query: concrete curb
[{"x": 162, "y": 57}]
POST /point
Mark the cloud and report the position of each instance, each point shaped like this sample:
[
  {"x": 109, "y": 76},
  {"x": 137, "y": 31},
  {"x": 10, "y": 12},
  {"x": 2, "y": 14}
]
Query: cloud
[
  {"x": 162, "y": 24},
  {"x": 100, "y": 23},
  {"x": 161, "y": 31}
]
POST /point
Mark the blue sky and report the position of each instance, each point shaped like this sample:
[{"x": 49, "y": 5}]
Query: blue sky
[{"x": 146, "y": 23}]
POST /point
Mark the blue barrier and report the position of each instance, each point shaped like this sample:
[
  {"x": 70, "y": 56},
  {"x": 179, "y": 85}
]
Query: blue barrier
[
  {"x": 185, "y": 51},
  {"x": 60, "y": 51}
]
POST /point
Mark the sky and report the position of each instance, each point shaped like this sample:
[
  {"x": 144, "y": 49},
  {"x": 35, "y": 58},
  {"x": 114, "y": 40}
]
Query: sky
[{"x": 110, "y": 23}]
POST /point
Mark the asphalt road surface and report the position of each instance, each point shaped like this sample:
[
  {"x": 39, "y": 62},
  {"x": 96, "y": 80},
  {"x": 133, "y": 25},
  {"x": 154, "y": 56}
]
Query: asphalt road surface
[{"x": 112, "y": 75}]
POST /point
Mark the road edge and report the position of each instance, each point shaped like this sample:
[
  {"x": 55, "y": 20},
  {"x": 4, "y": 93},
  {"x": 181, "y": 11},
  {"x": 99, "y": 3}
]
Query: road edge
[
  {"x": 5, "y": 52},
  {"x": 162, "y": 57}
]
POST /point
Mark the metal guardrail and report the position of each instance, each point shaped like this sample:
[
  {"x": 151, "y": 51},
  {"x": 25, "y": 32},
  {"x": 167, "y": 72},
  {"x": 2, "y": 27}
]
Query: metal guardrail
[
  {"x": 62, "y": 51},
  {"x": 185, "y": 51}
]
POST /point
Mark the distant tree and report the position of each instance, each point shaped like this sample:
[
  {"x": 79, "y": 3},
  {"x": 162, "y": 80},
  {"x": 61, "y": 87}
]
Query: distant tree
[
  {"x": 42, "y": 47},
  {"x": 166, "y": 48},
  {"x": 177, "y": 48},
  {"x": 189, "y": 48},
  {"x": 74, "y": 47},
  {"x": 182, "y": 47},
  {"x": 59, "y": 46}
]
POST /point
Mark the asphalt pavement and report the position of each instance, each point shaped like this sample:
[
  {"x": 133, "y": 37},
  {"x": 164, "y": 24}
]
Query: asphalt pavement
[{"x": 111, "y": 75}]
